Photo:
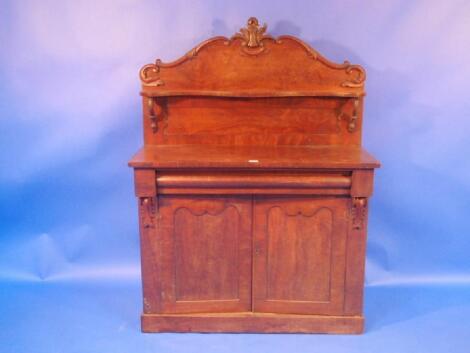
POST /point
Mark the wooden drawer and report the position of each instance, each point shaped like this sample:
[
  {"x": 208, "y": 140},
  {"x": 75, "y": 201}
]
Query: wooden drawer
[{"x": 265, "y": 182}]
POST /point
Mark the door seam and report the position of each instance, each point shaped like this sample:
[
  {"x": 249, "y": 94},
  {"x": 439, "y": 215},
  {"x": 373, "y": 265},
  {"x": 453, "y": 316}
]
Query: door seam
[{"x": 253, "y": 254}]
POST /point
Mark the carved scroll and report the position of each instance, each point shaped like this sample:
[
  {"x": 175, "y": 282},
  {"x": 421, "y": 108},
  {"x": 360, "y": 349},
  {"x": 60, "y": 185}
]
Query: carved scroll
[
  {"x": 358, "y": 79},
  {"x": 358, "y": 212},
  {"x": 149, "y": 74}
]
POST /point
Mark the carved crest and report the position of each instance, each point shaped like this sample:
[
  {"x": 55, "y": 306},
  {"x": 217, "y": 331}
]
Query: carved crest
[{"x": 252, "y": 36}]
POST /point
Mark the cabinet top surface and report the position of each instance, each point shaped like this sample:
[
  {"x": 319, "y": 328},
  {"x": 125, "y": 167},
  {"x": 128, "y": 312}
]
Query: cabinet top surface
[{"x": 253, "y": 157}]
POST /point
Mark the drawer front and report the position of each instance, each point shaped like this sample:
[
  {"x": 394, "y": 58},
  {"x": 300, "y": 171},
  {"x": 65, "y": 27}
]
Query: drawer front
[{"x": 263, "y": 182}]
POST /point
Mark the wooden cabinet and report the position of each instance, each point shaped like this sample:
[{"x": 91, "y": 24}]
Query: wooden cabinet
[{"x": 253, "y": 189}]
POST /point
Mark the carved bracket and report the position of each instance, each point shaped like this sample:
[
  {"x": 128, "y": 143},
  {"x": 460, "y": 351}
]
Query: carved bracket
[
  {"x": 352, "y": 121},
  {"x": 154, "y": 113},
  {"x": 148, "y": 208},
  {"x": 358, "y": 212}
]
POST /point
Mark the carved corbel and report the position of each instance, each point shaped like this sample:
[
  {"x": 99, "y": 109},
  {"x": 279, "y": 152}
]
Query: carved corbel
[
  {"x": 148, "y": 209},
  {"x": 353, "y": 117},
  {"x": 353, "y": 120},
  {"x": 154, "y": 113},
  {"x": 358, "y": 212}
]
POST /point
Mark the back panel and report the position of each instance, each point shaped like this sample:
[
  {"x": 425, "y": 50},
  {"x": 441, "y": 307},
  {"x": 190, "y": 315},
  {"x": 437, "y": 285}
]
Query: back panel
[{"x": 255, "y": 121}]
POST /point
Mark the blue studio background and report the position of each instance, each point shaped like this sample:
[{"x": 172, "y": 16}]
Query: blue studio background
[{"x": 70, "y": 120}]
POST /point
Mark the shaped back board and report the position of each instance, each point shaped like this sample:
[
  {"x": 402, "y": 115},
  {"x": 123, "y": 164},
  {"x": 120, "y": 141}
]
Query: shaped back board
[{"x": 253, "y": 89}]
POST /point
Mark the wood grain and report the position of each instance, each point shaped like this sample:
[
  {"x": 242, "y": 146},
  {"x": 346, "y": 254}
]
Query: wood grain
[{"x": 243, "y": 121}]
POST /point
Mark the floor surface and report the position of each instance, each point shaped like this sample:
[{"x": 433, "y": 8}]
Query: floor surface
[{"x": 47, "y": 317}]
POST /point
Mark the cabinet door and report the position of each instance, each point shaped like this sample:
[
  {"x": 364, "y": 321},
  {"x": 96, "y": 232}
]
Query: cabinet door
[
  {"x": 204, "y": 254},
  {"x": 300, "y": 255}
]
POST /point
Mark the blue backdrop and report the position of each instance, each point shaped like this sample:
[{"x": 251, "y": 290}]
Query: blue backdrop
[{"x": 70, "y": 120}]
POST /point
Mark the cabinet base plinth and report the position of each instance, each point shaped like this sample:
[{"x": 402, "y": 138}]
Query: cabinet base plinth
[{"x": 252, "y": 322}]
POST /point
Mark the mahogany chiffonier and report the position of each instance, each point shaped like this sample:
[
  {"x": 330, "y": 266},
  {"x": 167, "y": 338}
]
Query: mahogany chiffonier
[{"x": 253, "y": 189}]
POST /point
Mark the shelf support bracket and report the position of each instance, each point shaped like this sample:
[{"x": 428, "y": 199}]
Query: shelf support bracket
[
  {"x": 350, "y": 118},
  {"x": 148, "y": 210},
  {"x": 154, "y": 112},
  {"x": 358, "y": 212},
  {"x": 353, "y": 120}
]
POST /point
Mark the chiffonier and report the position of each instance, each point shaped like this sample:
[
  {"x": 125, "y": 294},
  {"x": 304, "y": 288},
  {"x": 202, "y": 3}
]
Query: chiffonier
[{"x": 253, "y": 189}]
